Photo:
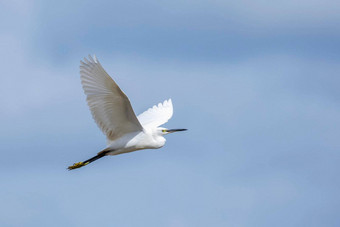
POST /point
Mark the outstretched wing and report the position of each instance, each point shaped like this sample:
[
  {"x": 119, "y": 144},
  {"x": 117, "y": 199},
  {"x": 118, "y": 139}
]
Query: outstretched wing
[
  {"x": 110, "y": 107},
  {"x": 157, "y": 115}
]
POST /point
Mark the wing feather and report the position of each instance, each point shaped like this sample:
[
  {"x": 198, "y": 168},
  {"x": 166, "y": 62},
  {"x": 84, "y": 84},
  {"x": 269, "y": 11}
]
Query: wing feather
[
  {"x": 157, "y": 115},
  {"x": 110, "y": 107}
]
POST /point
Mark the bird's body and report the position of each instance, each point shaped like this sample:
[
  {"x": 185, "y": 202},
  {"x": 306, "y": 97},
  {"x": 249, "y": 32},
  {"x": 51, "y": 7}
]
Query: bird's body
[
  {"x": 134, "y": 141},
  {"x": 113, "y": 113}
]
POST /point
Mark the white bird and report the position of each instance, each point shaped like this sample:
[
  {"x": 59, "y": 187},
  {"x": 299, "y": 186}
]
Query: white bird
[{"x": 113, "y": 113}]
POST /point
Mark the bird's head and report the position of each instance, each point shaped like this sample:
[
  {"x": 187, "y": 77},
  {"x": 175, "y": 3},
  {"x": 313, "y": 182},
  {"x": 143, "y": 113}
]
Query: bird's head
[{"x": 164, "y": 131}]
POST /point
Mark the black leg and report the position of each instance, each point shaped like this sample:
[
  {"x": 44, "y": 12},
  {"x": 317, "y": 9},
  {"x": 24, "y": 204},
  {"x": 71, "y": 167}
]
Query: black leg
[{"x": 88, "y": 161}]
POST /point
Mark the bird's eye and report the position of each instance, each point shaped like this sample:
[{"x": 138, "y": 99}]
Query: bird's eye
[{"x": 163, "y": 130}]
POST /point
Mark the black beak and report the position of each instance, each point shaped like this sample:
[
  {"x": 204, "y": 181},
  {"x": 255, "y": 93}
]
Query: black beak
[{"x": 176, "y": 130}]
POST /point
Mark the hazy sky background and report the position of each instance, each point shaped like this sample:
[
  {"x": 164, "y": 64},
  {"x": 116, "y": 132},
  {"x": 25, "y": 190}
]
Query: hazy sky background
[{"x": 255, "y": 82}]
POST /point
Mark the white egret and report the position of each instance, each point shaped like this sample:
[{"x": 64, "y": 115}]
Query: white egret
[{"x": 112, "y": 111}]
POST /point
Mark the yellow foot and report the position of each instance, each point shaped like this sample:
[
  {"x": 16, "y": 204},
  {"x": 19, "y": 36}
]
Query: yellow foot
[{"x": 77, "y": 165}]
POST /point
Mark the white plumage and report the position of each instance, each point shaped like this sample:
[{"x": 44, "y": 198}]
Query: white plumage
[
  {"x": 112, "y": 111},
  {"x": 157, "y": 115},
  {"x": 110, "y": 107}
]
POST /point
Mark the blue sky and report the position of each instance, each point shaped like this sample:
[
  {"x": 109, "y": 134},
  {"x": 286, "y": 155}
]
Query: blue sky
[{"x": 255, "y": 82}]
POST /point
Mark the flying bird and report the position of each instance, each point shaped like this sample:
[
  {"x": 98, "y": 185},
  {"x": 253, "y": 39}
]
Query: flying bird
[{"x": 113, "y": 113}]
